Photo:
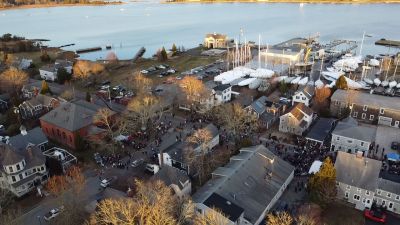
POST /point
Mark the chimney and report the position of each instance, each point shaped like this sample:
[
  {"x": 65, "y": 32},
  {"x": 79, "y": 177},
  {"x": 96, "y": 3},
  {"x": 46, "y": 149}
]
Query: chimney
[
  {"x": 23, "y": 131},
  {"x": 29, "y": 150}
]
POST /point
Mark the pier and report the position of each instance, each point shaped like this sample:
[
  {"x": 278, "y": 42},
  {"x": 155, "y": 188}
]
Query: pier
[{"x": 84, "y": 50}]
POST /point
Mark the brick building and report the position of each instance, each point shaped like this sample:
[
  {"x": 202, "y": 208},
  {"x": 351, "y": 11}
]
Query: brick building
[{"x": 69, "y": 121}]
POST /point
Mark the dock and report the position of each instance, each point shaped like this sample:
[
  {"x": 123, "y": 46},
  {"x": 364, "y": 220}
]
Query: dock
[
  {"x": 388, "y": 43},
  {"x": 84, "y": 50}
]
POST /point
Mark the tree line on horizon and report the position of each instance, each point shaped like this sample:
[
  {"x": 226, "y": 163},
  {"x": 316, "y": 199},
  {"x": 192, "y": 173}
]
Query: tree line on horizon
[{"x": 36, "y": 2}]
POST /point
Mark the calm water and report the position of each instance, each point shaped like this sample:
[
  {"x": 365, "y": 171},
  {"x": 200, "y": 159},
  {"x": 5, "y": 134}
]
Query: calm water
[{"x": 152, "y": 25}]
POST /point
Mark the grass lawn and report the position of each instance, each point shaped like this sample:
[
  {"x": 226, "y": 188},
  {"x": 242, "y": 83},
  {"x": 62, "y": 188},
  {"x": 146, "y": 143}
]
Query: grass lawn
[{"x": 341, "y": 214}]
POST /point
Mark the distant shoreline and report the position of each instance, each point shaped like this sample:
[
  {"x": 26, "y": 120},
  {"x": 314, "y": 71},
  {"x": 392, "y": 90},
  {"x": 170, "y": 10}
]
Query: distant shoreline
[
  {"x": 287, "y": 1},
  {"x": 51, "y": 5}
]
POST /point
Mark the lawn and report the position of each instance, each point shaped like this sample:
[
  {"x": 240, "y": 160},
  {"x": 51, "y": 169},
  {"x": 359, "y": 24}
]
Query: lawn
[{"x": 341, "y": 214}]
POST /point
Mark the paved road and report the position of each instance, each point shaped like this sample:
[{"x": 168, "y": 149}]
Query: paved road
[{"x": 35, "y": 216}]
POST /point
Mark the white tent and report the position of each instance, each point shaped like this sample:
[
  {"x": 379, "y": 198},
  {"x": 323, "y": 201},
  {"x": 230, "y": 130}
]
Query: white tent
[
  {"x": 315, "y": 167},
  {"x": 296, "y": 81},
  {"x": 262, "y": 73},
  {"x": 374, "y": 62},
  {"x": 247, "y": 81},
  {"x": 303, "y": 81}
]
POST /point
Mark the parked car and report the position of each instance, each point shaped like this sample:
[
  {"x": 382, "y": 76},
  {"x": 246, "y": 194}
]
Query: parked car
[
  {"x": 98, "y": 159},
  {"x": 105, "y": 87},
  {"x": 137, "y": 162},
  {"x": 376, "y": 214},
  {"x": 106, "y": 182},
  {"x": 152, "y": 168},
  {"x": 105, "y": 82},
  {"x": 179, "y": 78},
  {"x": 395, "y": 146},
  {"x": 144, "y": 71},
  {"x": 171, "y": 71},
  {"x": 53, "y": 213}
]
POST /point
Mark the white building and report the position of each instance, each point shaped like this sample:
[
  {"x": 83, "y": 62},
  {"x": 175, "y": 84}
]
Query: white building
[
  {"x": 174, "y": 155},
  {"x": 361, "y": 181},
  {"x": 351, "y": 137},
  {"x": 176, "y": 179},
  {"x": 22, "y": 170},
  {"x": 304, "y": 95},
  {"x": 222, "y": 93},
  {"x": 49, "y": 72},
  {"x": 297, "y": 120},
  {"x": 246, "y": 188}
]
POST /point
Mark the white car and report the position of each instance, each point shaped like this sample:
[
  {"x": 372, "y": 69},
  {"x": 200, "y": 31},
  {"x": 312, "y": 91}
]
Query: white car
[
  {"x": 106, "y": 182},
  {"x": 179, "y": 78},
  {"x": 53, "y": 213},
  {"x": 104, "y": 87},
  {"x": 144, "y": 71}
]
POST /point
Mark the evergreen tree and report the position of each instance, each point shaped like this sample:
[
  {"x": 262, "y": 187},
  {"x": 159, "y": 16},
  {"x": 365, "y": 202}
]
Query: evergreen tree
[
  {"x": 322, "y": 185},
  {"x": 174, "y": 49},
  {"x": 88, "y": 97},
  {"x": 62, "y": 75},
  {"x": 341, "y": 83},
  {"x": 163, "y": 55},
  {"x": 283, "y": 87},
  {"x": 45, "y": 88}
]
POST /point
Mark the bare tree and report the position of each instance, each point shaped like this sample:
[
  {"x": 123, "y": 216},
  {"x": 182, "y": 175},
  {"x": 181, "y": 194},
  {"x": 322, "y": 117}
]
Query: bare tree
[
  {"x": 211, "y": 217},
  {"x": 84, "y": 69},
  {"x": 13, "y": 79},
  {"x": 142, "y": 109},
  {"x": 197, "y": 159},
  {"x": 140, "y": 83},
  {"x": 194, "y": 90},
  {"x": 113, "y": 127},
  {"x": 281, "y": 218},
  {"x": 235, "y": 119}
]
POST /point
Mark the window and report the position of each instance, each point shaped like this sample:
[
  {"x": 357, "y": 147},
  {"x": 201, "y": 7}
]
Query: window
[
  {"x": 361, "y": 143},
  {"x": 297, "y": 97},
  {"x": 42, "y": 168},
  {"x": 13, "y": 178},
  {"x": 336, "y": 102},
  {"x": 390, "y": 205},
  {"x": 371, "y": 117},
  {"x": 337, "y": 138},
  {"x": 304, "y": 98},
  {"x": 358, "y": 190},
  {"x": 396, "y": 123},
  {"x": 389, "y": 195},
  {"x": 378, "y": 192},
  {"x": 18, "y": 167},
  {"x": 365, "y": 108},
  {"x": 397, "y": 197},
  {"x": 381, "y": 111},
  {"x": 363, "y": 116},
  {"x": 368, "y": 201},
  {"x": 367, "y": 193},
  {"x": 383, "y": 202},
  {"x": 34, "y": 170},
  {"x": 356, "y": 197},
  {"x": 21, "y": 177},
  {"x": 346, "y": 195},
  {"x": 349, "y": 141},
  {"x": 23, "y": 162},
  {"x": 10, "y": 169},
  {"x": 355, "y": 114}
]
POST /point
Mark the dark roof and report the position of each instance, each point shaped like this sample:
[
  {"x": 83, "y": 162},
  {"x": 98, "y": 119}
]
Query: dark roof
[
  {"x": 34, "y": 136},
  {"x": 308, "y": 91},
  {"x": 72, "y": 116},
  {"x": 228, "y": 209},
  {"x": 321, "y": 129},
  {"x": 389, "y": 182},
  {"x": 221, "y": 87},
  {"x": 351, "y": 129},
  {"x": 5, "y": 97},
  {"x": 259, "y": 105},
  {"x": 171, "y": 175},
  {"x": 8, "y": 155}
]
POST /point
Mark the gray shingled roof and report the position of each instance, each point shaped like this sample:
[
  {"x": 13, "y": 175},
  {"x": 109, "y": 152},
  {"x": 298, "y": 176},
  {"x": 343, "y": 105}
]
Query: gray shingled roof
[
  {"x": 388, "y": 185},
  {"x": 34, "y": 136},
  {"x": 347, "y": 128},
  {"x": 171, "y": 175},
  {"x": 362, "y": 98},
  {"x": 8, "y": 156},
  {"x": 250, "y": 180},
  {"x": 308, "y": 91},
  {"x": 71, "y": 116},
  {"x": 259, "y": 105},
  {"x": 357, "y": 171}
]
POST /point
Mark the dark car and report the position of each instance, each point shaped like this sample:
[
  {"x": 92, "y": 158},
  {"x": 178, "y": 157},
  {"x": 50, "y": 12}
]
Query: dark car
[
  {"x": 395, "y": 146},
  {"x": 106, "y": 82}
]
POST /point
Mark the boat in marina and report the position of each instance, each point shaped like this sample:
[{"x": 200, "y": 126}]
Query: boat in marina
[{"x": 377, "y": 82}]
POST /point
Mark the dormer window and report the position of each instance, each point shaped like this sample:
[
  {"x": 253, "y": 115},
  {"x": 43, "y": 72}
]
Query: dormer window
[
  {"x": 381, "y": 111},
  {"x": 18, "y": 167},
  {"x": 10, "y": 169},
  {"x": 365, "y": 108}
]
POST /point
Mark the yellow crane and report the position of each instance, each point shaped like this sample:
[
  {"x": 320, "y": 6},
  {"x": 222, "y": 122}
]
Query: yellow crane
[{"x": 307, "y": 54}]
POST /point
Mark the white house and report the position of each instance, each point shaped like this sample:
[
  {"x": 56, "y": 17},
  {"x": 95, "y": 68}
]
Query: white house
[
  {"x": 304, "y": 95},
  {"x": 22, "y": 170},
  {"x": 297, "y": 120},
  {"x": 351, "y": 137},
  {"x": 362, "y": 181},
  {"x": 222, "y": 93},
  {"x": 247, "y": 187},
  {"x": 176, "y": 179},
  {"x": 174, "y": 154},
  {"x": 48, "y": 72},
  {"x": 215, "y": 40}
]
